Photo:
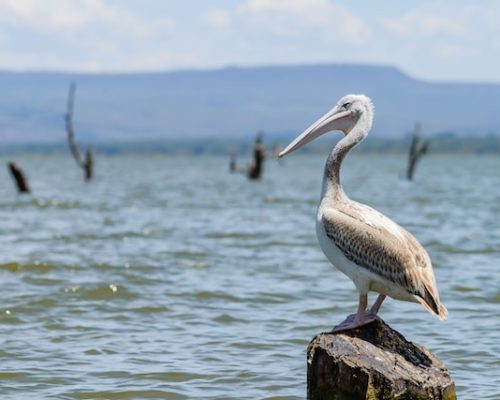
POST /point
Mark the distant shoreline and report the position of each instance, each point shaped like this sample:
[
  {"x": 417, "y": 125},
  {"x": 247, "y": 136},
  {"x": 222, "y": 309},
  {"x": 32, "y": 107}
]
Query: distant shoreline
[{"x": 446, "y": 143}]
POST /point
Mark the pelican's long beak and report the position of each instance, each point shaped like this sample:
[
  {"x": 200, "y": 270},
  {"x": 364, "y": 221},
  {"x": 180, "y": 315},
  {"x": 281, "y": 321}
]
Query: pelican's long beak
[{"x": 335, "y": 119}]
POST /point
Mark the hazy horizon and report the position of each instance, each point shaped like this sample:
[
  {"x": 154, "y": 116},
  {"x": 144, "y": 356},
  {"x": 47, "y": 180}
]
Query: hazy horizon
[{"x": 76, "y": 72}]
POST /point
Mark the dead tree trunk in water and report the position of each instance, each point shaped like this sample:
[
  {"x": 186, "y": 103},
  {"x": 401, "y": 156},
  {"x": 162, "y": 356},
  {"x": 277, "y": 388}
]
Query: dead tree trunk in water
[
  {"x": 87, "y": 163},
  {"x": 418, "y": 148},
  {"x": 259, "y": 155},
  {"x": 233, "y": 168},
  {"x": 19, "y": 178}
]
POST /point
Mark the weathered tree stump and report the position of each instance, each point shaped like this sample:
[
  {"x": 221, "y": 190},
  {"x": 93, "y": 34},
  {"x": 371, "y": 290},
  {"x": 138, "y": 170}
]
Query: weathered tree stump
[
  {"x": 259, "y": 155},
  {"x": 418, "y": 148},
  {"x": 87, "y": 163},
  {"x": 233, "y": 168},
  {"x": 19, "y": 178},
  {"x": 374, "y": 362}
]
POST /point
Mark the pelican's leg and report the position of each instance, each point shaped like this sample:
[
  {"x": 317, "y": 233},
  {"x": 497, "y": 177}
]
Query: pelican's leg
[
  {"x": 359, "y": 319},
  {"x": 360, "y": 315},
  {"x": 377, "y": 304}
]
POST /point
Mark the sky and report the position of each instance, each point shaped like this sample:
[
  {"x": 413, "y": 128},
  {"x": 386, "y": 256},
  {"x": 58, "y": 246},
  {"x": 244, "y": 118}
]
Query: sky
[{"x": 437, "y": 40}]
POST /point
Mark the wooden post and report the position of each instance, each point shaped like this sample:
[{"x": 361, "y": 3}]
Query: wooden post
[
  {"x": 418, "y": 148},
  {"x": 86, "y": 164},
  {"x": 233, "y": 168},
  {"x": 374, "y": 362},
  {"x": 259, "y": 155},
  {"x": 19, "y": 178},
  {"x": 89, "y": 164}
]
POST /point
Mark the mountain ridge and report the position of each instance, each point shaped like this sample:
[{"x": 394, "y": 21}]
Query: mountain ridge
[{"x": 235, "y": 102}]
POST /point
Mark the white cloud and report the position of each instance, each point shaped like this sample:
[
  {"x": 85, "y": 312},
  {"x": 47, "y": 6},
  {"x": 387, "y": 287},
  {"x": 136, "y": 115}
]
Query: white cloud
[
  {"x": 81, "y": 35},
  {"x": 446, "y": 39},
  {"x": 217, "y": 18},
  {"x": 292, "y": 17},
  {"x": 72, "y": 16},
  {"x": 418, "y": 23}
]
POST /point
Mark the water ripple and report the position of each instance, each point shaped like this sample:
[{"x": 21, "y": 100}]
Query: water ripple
[{"x": 202, "y": 285}]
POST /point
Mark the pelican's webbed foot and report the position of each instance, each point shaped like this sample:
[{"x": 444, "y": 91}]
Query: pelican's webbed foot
[{"x": 352, "y": 322}]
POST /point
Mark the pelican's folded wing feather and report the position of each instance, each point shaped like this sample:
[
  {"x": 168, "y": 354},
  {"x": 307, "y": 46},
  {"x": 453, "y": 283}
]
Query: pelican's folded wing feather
[{"x": 374, "y": 242}]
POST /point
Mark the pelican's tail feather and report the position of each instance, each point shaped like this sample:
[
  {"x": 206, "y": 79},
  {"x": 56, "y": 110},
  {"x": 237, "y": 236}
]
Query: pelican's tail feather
[{"x": 432, "y": 304}]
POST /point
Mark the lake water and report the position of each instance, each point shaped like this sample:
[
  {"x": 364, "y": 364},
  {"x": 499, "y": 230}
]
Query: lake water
[{"x": 168, "y": 277}]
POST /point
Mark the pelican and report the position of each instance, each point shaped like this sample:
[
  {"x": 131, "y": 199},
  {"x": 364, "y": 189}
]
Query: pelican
[{"x": 377, "y": 254}]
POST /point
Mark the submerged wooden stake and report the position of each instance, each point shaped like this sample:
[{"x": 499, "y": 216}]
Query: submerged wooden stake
[
  {"x": 374, "y": 362},
  {"x": 418, "y": 148},
  {"x": 19, "y": 178},
  {"x": 232, "y": 164},
  {"x": 259, "y": 155},
  {"x": 86, "y": 164}
]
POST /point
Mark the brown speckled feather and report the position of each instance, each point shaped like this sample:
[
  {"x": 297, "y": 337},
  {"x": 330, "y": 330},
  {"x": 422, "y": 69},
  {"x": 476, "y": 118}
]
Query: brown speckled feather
[{"x": 374, "y": 242}]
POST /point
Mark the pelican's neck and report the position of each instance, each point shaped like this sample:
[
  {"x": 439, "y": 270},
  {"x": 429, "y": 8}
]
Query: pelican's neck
[{"x": 331, "y": 179}]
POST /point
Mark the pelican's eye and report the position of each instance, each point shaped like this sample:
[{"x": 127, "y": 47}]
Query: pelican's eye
[{"x": 346, "y": 106}]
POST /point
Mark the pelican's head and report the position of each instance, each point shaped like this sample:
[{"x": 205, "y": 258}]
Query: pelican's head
[{"x": 348, "y": 111}]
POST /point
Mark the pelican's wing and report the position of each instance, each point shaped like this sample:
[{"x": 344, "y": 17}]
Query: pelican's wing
[{"x": 373, "y": 241}]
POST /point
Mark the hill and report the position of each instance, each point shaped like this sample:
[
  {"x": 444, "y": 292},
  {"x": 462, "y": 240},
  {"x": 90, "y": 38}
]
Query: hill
[{"x": 235, "y": 103}]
